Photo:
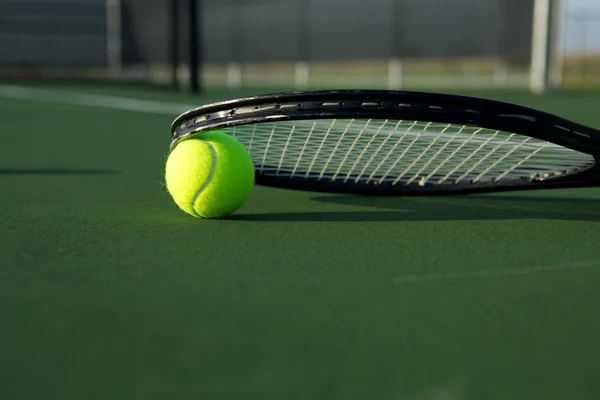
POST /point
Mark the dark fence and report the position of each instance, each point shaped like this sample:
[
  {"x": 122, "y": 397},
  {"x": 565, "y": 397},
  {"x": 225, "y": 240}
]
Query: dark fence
[
  {"x": 73, "y": 33},
  {"x": 53, "y": 33},
  {"x": 289, "y": 30},
  {"x": 273, "y": 30}
]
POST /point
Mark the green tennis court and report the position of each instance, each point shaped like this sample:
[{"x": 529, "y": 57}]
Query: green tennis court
[{"x": 109, "y": 291}]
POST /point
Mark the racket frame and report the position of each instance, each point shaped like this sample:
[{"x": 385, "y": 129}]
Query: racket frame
[{"x": 399, "y": 105}]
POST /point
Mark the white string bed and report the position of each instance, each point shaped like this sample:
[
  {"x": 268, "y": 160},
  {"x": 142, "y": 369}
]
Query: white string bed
[{"x": 402, "y": 152}]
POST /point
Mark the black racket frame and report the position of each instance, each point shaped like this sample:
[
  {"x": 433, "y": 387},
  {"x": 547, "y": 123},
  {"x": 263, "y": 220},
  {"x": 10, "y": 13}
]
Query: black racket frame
[{"x": 399, "y": 105}]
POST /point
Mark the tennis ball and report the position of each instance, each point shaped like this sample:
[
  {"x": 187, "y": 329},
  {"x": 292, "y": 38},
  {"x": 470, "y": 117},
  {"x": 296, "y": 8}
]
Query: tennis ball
[{"x": 209, "y": 175}]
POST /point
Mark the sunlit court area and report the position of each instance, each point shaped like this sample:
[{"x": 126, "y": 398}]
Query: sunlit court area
[{"x": 299, "y": 199}]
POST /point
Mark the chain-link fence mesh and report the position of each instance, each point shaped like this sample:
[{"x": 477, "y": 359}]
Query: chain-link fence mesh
[
  {"x": 286, "y": 30},
  {"x": 153, "y": 35},
  {"x": 55, "y": 33}
]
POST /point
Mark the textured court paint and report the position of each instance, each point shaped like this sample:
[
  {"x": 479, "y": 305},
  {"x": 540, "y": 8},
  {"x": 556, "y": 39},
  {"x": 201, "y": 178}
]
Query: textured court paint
[
  {"x": 528, "y": 270},
  {"x": 292, "y": 298}
]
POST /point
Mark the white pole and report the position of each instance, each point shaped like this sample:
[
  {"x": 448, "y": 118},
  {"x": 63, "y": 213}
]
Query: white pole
[
  {"x": 500, "y": 76},
  {"x": 302, "y": 75},
  {"x": 558, "y": 53},
  {"x": 113, "y": 36},
  {"x": 395, "y": 74},
  {"x": 540, "y": 46},
  {"x": 235, "y": 76}
]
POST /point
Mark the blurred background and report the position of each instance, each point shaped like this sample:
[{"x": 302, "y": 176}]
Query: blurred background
[{"x": 234, "y": 44}]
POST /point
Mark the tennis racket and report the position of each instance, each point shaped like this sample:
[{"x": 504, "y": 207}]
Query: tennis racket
[{"x": 400, "y": 142}]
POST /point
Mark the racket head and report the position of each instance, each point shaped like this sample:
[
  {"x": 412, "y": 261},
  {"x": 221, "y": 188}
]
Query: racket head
[{"x": 400, "y": 142}]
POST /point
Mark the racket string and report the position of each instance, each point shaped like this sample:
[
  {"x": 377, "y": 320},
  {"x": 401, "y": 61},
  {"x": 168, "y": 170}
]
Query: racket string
[
  {"x": 366, "y": 148},
  {"x": 401, "y": 152}
]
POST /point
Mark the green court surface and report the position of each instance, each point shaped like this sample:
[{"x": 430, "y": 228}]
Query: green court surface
[{"x": 109, "y": 291}]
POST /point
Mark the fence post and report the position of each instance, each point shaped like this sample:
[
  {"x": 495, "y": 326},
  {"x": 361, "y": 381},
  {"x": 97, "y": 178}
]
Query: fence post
[
  {"x": 114, "y": 47},
  {"x": 194, "y": 46}
]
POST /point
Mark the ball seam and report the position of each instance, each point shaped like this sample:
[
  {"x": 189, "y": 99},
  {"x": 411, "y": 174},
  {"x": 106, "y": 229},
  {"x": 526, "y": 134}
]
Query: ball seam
[{"x": 210, "y": 176}]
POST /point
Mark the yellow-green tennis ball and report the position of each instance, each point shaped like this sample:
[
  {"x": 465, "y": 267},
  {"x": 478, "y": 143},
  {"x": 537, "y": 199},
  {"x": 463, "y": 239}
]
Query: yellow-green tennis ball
[{"x": 210, "y": 175}]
